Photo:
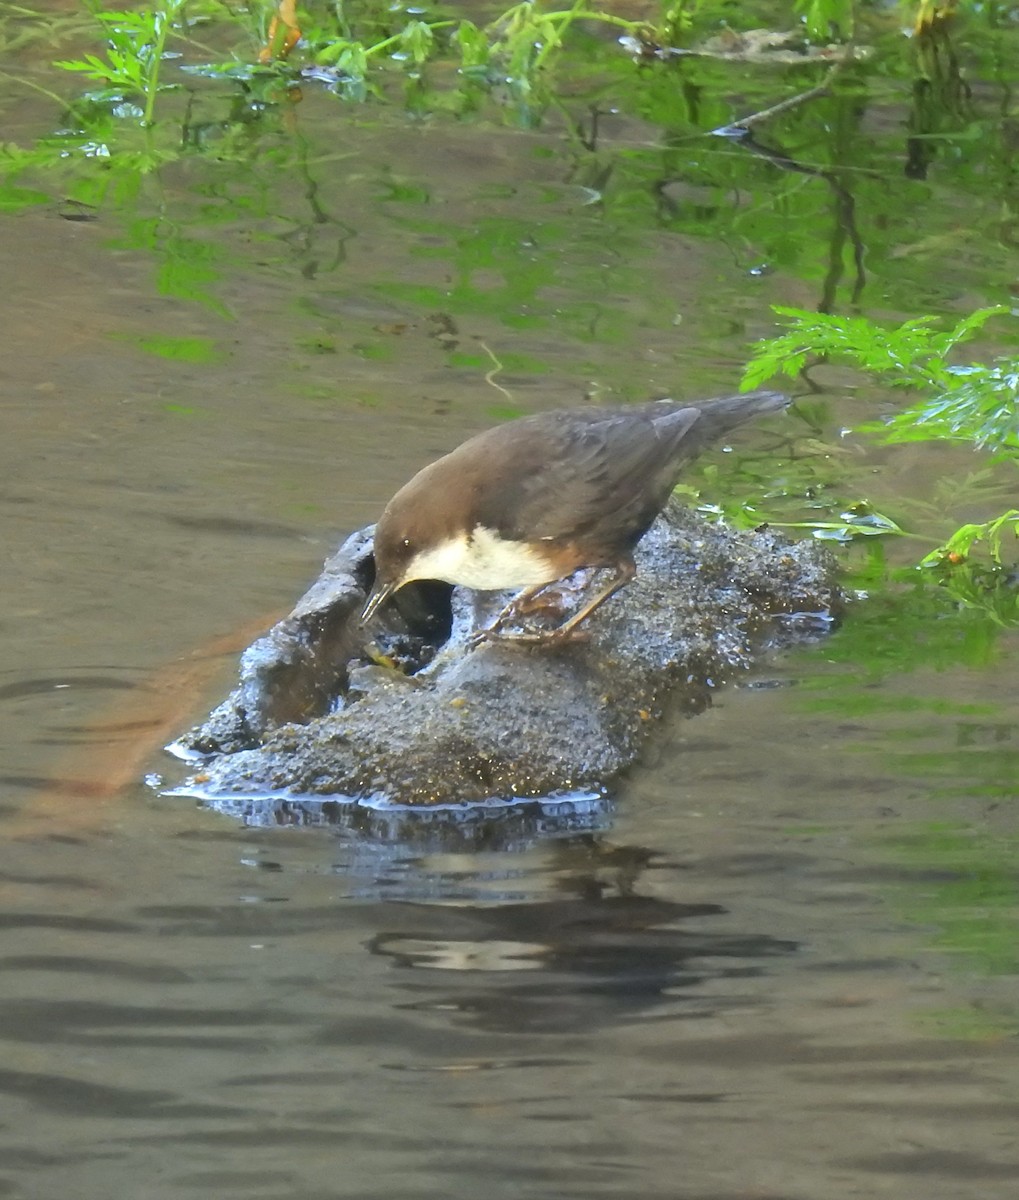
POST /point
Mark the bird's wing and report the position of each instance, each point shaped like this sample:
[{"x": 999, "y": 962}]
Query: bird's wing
[{"x": 598, "y": 469}]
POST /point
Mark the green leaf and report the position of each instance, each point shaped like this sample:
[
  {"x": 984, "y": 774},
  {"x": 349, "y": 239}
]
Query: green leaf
[
  {"x": 474, "y": 47},
  {"x": 417, "y": 39},
  {"x": 353, "y": 61}
]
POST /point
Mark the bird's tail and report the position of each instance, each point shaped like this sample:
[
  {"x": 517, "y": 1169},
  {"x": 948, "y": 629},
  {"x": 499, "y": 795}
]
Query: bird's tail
[
  {"x": 686, "y": 437},
  {"x": 719, "y": 416}
]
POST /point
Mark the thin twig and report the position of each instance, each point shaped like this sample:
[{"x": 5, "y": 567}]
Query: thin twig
[
  {"x": 490, "y": 375},
  {"x": 745, "y": 123}
]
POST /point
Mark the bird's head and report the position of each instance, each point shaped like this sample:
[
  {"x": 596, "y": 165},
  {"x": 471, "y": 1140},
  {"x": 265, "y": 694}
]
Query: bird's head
[{"x": 397, "y": 545}]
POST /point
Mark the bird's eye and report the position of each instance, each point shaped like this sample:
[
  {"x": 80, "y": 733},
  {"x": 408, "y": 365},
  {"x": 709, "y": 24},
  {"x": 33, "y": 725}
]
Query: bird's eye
[{"x": 405, "y": 543}]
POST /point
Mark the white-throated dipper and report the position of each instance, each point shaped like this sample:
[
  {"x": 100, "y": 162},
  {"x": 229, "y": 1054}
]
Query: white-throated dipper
[{"x": 534, "y": 500}]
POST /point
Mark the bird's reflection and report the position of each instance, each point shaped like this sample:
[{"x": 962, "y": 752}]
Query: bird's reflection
[
  {"x": 530, "y": 918},
  {"x": 599, "y": 951}
]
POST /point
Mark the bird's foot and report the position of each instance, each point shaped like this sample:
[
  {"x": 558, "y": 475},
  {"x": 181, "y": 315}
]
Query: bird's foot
[{"x": 558, "y": 636}]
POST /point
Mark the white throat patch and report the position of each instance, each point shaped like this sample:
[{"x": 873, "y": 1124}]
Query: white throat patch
[{"x": 483, "y": 561}]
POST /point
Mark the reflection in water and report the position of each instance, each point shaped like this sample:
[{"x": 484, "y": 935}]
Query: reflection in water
[
  {"x": 595, "y": 952},
  {"x": 571, "y": 964},
  {"x": 490, "y": 1006},
  {"x": 388, "y": 828}
]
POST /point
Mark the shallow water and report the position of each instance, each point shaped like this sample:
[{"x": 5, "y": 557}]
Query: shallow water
[{"x": 777, "y": 963}]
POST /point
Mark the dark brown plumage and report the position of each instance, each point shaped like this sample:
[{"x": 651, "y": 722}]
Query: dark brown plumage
[{"x": 532, "y": 501}]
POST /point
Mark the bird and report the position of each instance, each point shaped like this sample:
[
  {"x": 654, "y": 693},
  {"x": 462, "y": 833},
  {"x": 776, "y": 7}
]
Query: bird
[{"x": 536, "y": 499}]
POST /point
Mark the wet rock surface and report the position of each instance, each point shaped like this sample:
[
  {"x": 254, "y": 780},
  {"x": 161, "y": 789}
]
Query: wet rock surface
[{"x": 312, "y": 716}]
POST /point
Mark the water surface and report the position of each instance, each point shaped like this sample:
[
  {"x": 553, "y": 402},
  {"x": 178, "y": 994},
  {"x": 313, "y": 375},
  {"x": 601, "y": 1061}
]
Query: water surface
[{"x": 778, "y": 962}]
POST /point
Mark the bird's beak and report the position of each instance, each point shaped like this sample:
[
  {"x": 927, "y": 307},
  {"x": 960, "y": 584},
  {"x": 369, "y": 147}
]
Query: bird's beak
[{"x": 375, "y": 601}]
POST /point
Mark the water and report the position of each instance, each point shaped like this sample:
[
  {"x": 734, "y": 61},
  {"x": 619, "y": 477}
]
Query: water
[{"x": 777, "y": 963}]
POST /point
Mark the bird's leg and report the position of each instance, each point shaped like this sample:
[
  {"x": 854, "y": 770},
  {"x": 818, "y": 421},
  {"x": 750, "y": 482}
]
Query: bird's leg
[
  {"x": 516, "y": 606},
  {"x": 624, "y": 572},
  {"x": 626, "y": 568},
  {"x": 507, "y": 612}
]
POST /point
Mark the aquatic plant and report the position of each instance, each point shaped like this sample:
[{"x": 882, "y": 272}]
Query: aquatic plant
[
  {"x": 133, "y": 58},
  {"x": 341, "y": 47},
  {"x": 346, "y": 45},
  {"x": 973, "y": 403}
]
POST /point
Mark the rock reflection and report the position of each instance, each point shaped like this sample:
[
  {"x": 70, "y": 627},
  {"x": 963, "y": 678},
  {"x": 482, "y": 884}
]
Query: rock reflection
[{"x": 395, "y": 830}]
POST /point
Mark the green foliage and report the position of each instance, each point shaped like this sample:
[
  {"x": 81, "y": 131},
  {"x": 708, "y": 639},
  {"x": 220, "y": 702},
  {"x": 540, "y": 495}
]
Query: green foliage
[
  {"x": 475, "y": 50},
  {"x": 977, "y": 403},
  {"x": 837, "y": 520},
  {"x": 801, "y": 483},
  {"x": 994, "y": 590},
  {"x": 994, "y": 586},
  {"x": 526, "y": 36},
  {"x": 136, "y": 41},
  {"x": 826, "y": 20},
  {"x": 973, "y": 403},
  {"x": 341, "y": 51},
  {"x": 856, "y": 523},
  {"x": 961, "y": 543},
  {"x": 914, "y": 354}
]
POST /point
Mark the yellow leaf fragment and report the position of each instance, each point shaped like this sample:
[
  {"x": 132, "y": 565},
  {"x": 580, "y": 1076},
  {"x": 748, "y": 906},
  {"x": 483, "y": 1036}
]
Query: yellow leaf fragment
[{"x": 284, "y": 32}]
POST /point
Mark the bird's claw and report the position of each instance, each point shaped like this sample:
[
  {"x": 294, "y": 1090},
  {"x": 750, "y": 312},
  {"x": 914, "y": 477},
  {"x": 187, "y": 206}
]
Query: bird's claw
[{"x": 528, "y": 637}]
